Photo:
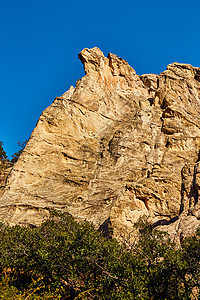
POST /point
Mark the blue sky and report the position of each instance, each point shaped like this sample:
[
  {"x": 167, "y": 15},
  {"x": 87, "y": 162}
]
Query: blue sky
[{"x": 40, "y": 41}]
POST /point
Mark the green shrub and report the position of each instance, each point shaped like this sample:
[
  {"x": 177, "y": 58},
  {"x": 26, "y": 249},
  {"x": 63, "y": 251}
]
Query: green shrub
[{"x": 64, "y": 259}]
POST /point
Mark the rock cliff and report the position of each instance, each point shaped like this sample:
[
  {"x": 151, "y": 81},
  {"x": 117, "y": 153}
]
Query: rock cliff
[
  {"x": 114, "y": 148},
  {"x": 5, "y": 169}
]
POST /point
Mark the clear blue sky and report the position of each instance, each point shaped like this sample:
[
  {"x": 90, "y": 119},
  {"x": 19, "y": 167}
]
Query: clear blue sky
[{"x": 40, "y": 41}]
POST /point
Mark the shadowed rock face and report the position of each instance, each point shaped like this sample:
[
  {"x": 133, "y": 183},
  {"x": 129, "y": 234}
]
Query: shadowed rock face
[
  {"x": 5, "y": 168},
  {"x": 114, "y": 148}
]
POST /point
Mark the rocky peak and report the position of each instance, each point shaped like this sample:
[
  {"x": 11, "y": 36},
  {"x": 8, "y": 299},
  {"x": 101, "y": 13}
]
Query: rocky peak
[
  {"x": 116, "y": 147},
  {"x": 95, "y": 61},
  {"x": 92, "y": 59}
]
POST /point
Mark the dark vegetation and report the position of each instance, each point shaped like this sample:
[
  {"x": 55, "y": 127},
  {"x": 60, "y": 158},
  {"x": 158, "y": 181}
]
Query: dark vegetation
[
  {"x": 17, "y": 154},
  {"x": 63, "y": 259},
  {"x": 4, "y": 161},
  {"x": 4, "y": 158},
  {"x": 2, "y": 152}
]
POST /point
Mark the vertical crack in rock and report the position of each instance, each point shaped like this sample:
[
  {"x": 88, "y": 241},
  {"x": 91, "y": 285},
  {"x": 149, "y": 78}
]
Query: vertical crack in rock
[
  {"x": 106, "y": 228},
  {"x": 114, "y": 145},
  {"x": 189, "y": 192}
]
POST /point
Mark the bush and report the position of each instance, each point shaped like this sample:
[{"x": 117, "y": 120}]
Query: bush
[{"x": 64, "y": 259}]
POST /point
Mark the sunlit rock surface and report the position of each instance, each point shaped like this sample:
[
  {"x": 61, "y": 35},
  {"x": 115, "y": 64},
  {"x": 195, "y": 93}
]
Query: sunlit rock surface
[{"x": 114, "y": 148}]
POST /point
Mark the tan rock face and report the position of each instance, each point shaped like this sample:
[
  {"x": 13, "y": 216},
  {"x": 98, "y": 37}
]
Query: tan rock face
[
  {"x": 114, "y": 148},
  {"x": 5, "y": 169}
]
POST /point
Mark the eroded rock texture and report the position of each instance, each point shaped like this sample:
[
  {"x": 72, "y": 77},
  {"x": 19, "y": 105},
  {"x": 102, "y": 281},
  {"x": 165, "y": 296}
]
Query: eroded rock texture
[
  {"x": 115, "y": 147},
  {"x": 5, "y": 169}
]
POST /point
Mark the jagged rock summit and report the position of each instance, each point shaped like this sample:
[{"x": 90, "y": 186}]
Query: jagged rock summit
[{"x": 114, "y": 148}]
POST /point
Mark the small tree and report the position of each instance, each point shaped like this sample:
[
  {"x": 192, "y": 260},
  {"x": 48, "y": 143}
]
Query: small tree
[
  {"x": 17, "y": 154},
  {"x": 2, "y": 152}
]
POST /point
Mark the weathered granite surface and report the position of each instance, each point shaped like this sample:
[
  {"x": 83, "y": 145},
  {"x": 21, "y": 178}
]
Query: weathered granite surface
[{"x": 114, "y": 148}]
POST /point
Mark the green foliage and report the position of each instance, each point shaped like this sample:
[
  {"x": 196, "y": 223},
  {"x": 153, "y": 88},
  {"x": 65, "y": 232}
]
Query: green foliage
[
  {"x": 8, "y": 291},
  {"x": 63, "y": 259}
]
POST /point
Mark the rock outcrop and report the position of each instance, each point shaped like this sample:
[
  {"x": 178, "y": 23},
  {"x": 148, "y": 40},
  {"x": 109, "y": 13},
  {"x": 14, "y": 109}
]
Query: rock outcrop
[
  {"x": 5, "y": 169},
  {"x": 114, "y": 148}
]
